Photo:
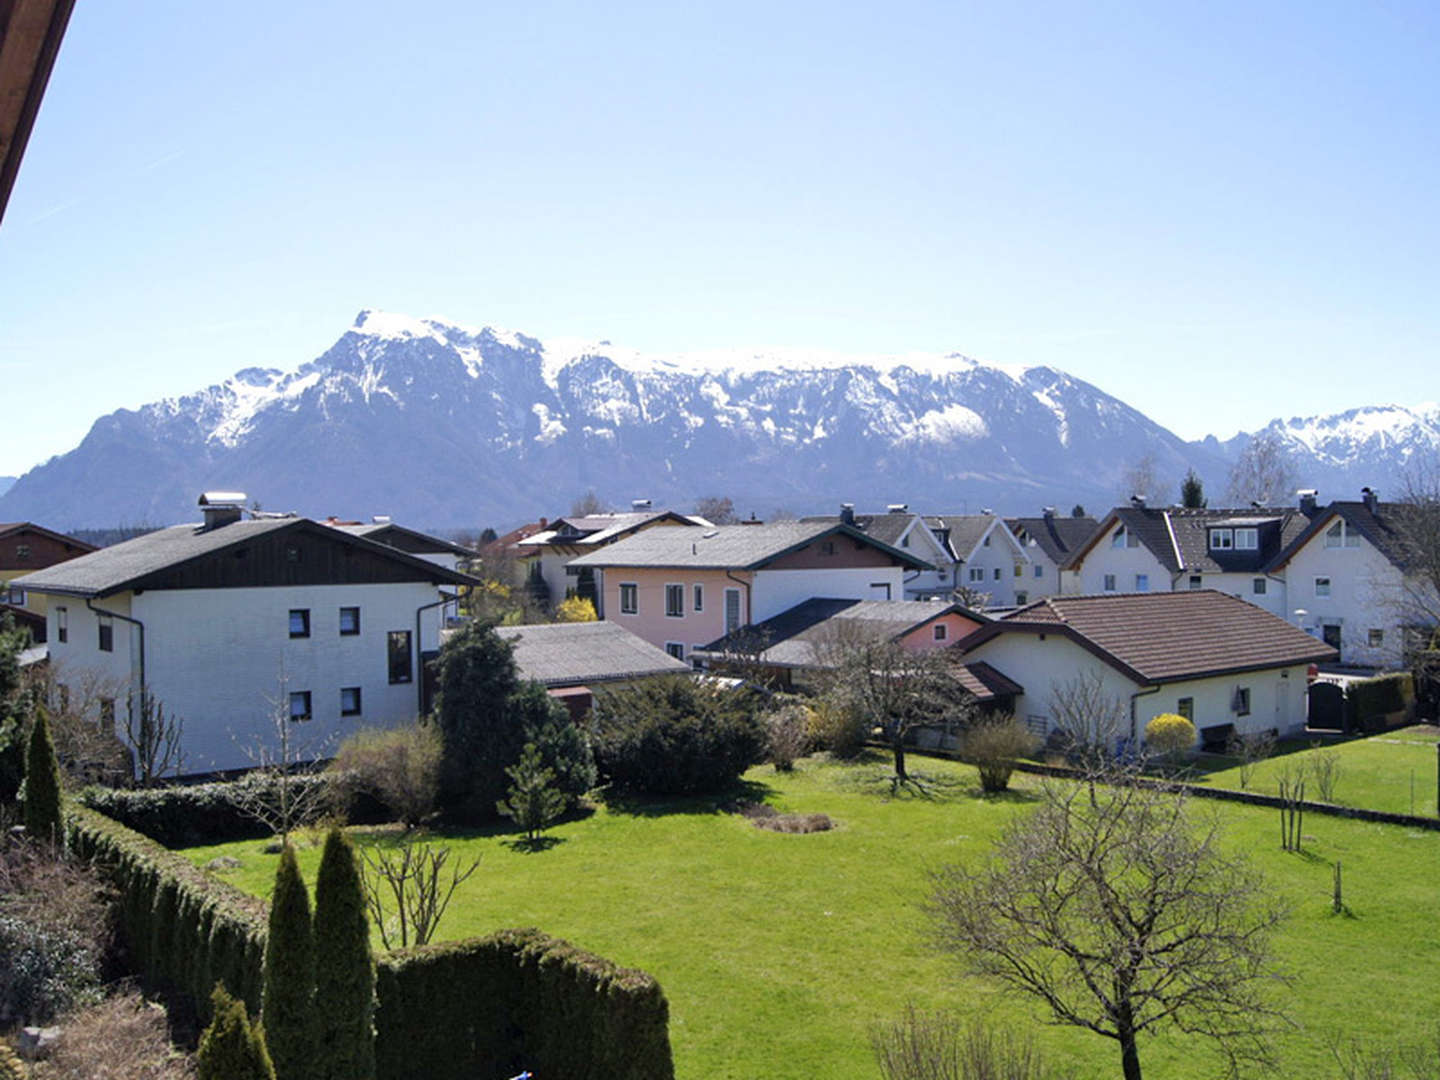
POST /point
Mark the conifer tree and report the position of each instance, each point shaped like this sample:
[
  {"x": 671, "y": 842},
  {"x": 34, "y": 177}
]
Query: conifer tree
[
  {"x": 344, "y": 970},
  {"x": 43, "y": 813},
  {"x": 230, "y": 1048},
  {"x": 289, "y": 995},
  {"x": 534, "y": 802}
]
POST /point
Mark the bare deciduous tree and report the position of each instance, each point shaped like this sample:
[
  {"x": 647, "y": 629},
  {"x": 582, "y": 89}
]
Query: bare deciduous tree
[
  {"x": 407, "y": 890},
  {"x": 1263, "y": 473},
  {"x": 153, "y": 738},
  {"x": 1122, "y": 917},
  {"x": 717, "y": 509},
  {"x": 1090, "y": 720},
  {"x": 281, "y": 792},
  {"x": 588, "y": 504},
  {"x": 1141, "y": 477},
  {"x": 922, "y": 1045}
]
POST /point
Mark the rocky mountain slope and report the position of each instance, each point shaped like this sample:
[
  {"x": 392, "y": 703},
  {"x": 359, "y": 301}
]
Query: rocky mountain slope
[{"x": 442, "y": 425}]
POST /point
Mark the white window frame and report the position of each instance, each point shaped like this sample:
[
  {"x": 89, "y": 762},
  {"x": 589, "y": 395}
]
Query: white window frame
[
  {"x": 62, "y": 625},
  {"x": 676, "y": 590},
  {"x": 1222, "y": 539},
  {"x": 631, "y": 590},
  {"x": 977, "y": 573},
  {"x": 1247, "y": 539},
  {"x": 697, "y": 596},
  {"x": 675, "y": 649},
  {"x": 739, "y": 613},
  {"x": 1322, "y": 586}
]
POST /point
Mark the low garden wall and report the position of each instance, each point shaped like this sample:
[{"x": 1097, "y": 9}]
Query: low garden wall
[{"x": 482, "y": 1007}]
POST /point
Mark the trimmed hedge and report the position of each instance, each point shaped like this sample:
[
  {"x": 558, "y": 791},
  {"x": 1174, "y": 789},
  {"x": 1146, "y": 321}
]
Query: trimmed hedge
[
  {"x": 1369, "y": 703},
  {"x": 513, "y": 1001},
  {"x": 195, "y": 814},
  {"x": 183, "y": 929}
]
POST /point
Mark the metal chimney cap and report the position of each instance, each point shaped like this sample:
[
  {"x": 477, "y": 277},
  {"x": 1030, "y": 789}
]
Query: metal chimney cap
[{"x": 223, "y": 498}]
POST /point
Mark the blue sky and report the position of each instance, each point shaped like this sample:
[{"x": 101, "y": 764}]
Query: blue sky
[{"x": 1218, "y": 212}]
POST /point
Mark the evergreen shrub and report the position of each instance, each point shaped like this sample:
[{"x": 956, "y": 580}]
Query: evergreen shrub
[{"x": 1369, "y": 703}]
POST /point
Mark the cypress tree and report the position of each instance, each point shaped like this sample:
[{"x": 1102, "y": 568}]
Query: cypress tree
[
  {"x": 43, "y": 815},
  {"x": 288, "y": 1005},
  {"x": 230, "y": 1049},
  {"x": 344, "y": 971}
]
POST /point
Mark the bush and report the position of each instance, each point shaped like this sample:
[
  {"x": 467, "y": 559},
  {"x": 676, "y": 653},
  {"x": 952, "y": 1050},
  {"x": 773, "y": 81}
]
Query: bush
[
  {"x": 44, "y": 972},
  {"x": 837, "y": 726},
  {"x": 532, "y": 801},
  {"x": 787, "y": 731},
  {"x": 675, "y": 736},
  {"x": 941, "y": 1046},
  {"x": 1369, "y": 703},
  {"x": 123, "y": 1036},
  {"x": 44, "y": 819},
  {"x": 289, "y": 1006},
  {"x": 1169, "y": 733},
  {"x": 399, "y": 767},
  {"x": 344, "y": 970},
  {"x": 575, "y": 609},
  {"x": 992, "y": 745},
  {"x": 230, "y": 1049}
]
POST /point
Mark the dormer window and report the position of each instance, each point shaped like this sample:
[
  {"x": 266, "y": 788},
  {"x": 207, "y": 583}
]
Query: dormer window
[
  {"x": 1247, "y": 539},
  {"x": 1222, "y": 539}
]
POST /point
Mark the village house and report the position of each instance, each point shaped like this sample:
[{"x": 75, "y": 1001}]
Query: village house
[
  {"x": 1049, "y": 540},
  {"x": 900, "y": 528},
  {"x": 681, "y": 588},
  {"x": 813, "y": 635},
  {"x": 992, "y": 567},
  {"x": 1351, "y": 581},
  {"x": 544, "y": 558},
  {"x": 570, "y": 659},
  {"x": 24, "y": 548},
  {"x": 1224, "y": 664},
  {"x": 1140, "y": 549},
  {"x": 232, "y": 623}
]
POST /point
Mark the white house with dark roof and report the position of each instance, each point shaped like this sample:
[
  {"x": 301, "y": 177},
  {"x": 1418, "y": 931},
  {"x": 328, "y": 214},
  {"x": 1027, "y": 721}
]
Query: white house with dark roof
[
  {"x": 1049, "y": 540},
  {"x": 1350, "y": 580},
  {"x": 986, "y": 558},
  {"x": 1228, "y": 666},
  {"x": 228, "y": 622},
  {"x": 681, "y": 588},
  {"x": 899, "y": 527}
]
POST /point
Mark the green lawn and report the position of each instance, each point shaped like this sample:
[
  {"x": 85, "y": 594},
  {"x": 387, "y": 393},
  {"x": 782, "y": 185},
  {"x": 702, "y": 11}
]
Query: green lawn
[
  {"x": 777, "y": 952},
  {"x": 1395, "y": 772}
]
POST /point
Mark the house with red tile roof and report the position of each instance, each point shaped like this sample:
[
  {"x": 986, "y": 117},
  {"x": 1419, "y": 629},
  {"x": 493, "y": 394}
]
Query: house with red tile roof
[{"x": 1228, "y": 666}]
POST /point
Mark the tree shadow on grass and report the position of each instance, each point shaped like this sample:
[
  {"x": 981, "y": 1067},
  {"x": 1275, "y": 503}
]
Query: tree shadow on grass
[
  {"x": 633, "y": 805},
  {"x": 526, "y": 846}
]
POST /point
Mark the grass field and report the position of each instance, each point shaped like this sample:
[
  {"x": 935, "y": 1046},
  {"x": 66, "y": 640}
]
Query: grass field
[
  {"x": 778, "y": 951},
  {"x": 1395, "y": 772}
]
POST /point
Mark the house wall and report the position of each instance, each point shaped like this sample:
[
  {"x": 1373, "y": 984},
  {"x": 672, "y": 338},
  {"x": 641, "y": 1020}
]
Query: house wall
[
  {"x": 1045, "y": 667},
  {"x": 927, "y": 584},
  {"x": 217, "y": 658},
  {"x": 997, "y": 562},
  {"x": 1125, "y": 563},
  {"x": 922, "y": 638},
  {"x": 690, "y": 629},
  {"x": 42, "y": 551},
  {"x": 1367, "y": 592},
  {"x": 779, "y": 590}
]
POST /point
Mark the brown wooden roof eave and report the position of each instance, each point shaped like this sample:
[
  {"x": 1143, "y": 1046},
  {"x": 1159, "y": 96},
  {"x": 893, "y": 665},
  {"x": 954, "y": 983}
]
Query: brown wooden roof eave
[{"x": 30, "y": 36}]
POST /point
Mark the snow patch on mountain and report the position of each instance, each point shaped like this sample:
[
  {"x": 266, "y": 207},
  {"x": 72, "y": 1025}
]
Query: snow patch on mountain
[
  {"x": 954, "y": 422},
  {"x": 1368, "y": 433}
]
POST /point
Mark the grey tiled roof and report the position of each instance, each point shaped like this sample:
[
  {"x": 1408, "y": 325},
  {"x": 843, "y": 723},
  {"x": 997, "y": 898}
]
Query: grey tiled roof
[
  {"x": 724, "y": 547},
  {"x": 113, "y": 568},
  {"x": 1383, "y": 527},
  {"x": 592, "y": 530},
  {"x": 1165, "y": 636},
  {"x": 965, "y": 530},
  {"x": 1178, "y": 537},
  {"x": 572, "y": 654},
  {"x": 887, "y": 528},
  {"x": 798, "y": 636},
  {"x": 380, "y": 531},
  {"x": 1057, "y": 536}
]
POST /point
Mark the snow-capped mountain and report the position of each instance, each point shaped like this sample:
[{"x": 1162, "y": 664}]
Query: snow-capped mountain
[{"x": 439, "y": 424}]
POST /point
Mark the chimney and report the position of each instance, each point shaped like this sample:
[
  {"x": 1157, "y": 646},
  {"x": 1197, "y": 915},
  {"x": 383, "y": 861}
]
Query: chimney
[
  {"x": 379, "y": 519},
  {"x": 897, "y": 508},
  {"x": 1307, "y": 500},
  {"x": 1369, "y": 498},
  {"x": 639, "y": 504},
  {"x": 847, "y": 513},
  {"x": 1137, "y": 501},
  {"x": 543, "y": 524},
  {"x": 988, "y": 511},
  {"x": 221, "y": 508},
  {"x": 1048, "y": 512}
]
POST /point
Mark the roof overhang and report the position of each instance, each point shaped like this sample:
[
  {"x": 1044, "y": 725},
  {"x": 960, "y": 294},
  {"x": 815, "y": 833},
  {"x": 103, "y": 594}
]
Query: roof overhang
[{"x": 30, "y": 35}]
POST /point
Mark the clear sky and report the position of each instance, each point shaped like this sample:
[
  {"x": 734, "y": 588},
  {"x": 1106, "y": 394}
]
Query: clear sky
[{"x": 1220, "y": 212}]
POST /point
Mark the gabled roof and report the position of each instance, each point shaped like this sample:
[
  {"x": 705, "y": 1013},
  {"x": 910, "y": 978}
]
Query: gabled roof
[
  {"x": 889, "y": 528},
  {"x": 573, "y": 654},
  {"x": 11, "y": 528},
  {"x": 965, "y": 532},
  {"x": 984, "y": 683},
  {"x": 1381, "y": 527},
  {"x": 729, "y": 547},
  {"x": 30, "y": 35},
  {"x": 411, "y": 540},
  {"x": 1165, "y": 636},
  {"x": 1179, "y": 537},
  {"x": 114, "y": 569},
  {"x": 1057, "y": 536},
  {"x": 591, "y": 530},
  {"x": 798, "y": 636}
]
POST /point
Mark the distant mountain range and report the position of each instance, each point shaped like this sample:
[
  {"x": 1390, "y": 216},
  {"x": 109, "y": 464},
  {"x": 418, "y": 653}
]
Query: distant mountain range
[
  {"x": 440, "y": 425},
  {"x": 6, "y": 483}
]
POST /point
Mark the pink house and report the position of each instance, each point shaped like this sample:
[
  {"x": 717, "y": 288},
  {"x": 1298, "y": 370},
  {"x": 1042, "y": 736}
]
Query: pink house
[{"x": 681, "y": 589}]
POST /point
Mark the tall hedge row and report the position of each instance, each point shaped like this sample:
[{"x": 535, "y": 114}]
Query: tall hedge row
[
  {"x": 517, "y": 1000},
  {"x": 183, "y": 929},
  {"x": 1370, "y": 703}
]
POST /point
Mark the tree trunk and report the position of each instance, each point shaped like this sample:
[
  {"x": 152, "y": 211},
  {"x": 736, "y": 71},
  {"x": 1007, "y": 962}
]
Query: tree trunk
[
  {"x": 1129, "y": 1056},
  {"x": 898, "y": 742}
]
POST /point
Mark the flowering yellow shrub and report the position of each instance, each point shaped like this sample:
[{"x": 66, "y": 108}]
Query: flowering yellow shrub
[{"x": 1169, "y": 733}]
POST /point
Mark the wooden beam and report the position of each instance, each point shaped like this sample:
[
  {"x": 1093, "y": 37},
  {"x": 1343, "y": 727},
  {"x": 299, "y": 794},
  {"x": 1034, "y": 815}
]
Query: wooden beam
[{"x": 30, "y": 35}]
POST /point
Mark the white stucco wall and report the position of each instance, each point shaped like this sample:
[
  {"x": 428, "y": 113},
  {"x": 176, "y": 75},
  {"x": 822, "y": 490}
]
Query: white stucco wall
[
  {"x": 779, "y": 590},
  {"x": 997, "y": 562},
  {"x": 1367, "y": 592},
  {"x": 218, "y": 658},
  {"x": 1123, "y": 562},
  {"x": 1045, "y": 667}
]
